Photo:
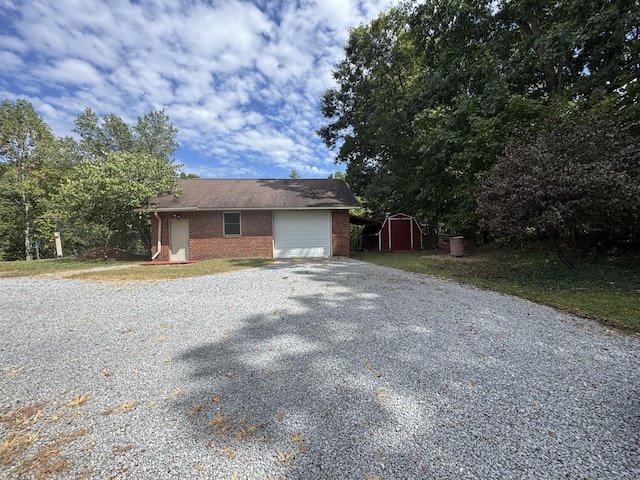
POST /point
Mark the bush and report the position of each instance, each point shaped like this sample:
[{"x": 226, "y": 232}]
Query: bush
[{"x": 574, "y": 183}]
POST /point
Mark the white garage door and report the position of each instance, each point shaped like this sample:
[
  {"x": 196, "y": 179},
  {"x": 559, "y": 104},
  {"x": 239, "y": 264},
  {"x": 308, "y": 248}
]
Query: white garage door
[{"x": 301, "y": 234}]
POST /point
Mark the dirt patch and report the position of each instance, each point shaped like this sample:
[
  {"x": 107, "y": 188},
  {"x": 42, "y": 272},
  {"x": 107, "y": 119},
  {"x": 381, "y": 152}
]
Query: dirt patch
[{"x": 110, "y": 254}]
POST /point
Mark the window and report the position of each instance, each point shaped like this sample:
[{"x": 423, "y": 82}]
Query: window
[{"x": 231, "y": 223}]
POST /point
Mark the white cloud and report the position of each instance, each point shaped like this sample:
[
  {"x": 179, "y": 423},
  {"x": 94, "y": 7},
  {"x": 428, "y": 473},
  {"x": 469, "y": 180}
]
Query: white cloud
[
  {"x": 70, "y": 71},
  {"x": 9, "y": 61},
  {"x": 13, "y": 44},
  {"x": 242, "y": 80}
]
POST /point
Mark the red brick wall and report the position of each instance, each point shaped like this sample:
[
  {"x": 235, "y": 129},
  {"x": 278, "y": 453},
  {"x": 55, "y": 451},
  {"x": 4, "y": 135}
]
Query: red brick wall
[
  {"x": 207, "y": 241},
  {"x": 340, "y": 233}
]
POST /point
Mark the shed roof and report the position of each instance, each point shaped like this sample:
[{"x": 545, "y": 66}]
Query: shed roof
[
  {"x": 254, "y": 194},
  {"x": 356, "y": 220}
]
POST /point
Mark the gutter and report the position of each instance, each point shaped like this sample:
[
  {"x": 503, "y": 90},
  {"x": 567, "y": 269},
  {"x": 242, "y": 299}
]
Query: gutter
[{"x": 280, "y": 208}]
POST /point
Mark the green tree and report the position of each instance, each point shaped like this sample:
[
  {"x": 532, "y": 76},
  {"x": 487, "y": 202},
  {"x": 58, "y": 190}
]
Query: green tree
[
  {"x": 371, "y": 111},
  {"x": 294, "y": 174},
  {"x": 106, "y": 192},
  {"x": 99, "y": 138},
  {"x": 153, "y": 134},
  {"x": 337, "y": 176},
  {"x": 573, "y": 181},
  {"x": 184, "y": 176},
  {"x": 570, "y": 48},
  {"x": 120, "y": 167},
  {"x": 463, "y": 108},
  {"x": 30, "y": 163},
  {"x": 427, "y": 95}
]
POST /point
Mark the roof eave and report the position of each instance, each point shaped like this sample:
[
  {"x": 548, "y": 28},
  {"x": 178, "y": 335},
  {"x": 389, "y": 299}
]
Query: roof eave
[
  {"x": 165, "y": 209},
  {"x": 236, "y": 207}
]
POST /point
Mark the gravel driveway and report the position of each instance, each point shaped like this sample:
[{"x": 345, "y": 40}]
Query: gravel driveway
[{"x": 319, "y": 370}]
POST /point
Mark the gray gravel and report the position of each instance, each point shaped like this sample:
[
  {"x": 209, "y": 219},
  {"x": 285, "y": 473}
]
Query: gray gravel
[{"x": 316, "y": 370}]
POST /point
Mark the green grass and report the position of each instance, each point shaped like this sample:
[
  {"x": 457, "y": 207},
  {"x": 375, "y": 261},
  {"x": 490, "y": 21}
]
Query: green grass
[
  {"x": 126, "y": 271},
  {"x": 607, "y": 290},
  {"x": 21, "y": 268},
  {"x": 154, "y": 273}
]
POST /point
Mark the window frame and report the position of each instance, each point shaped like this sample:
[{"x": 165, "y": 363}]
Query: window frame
[{"x": 224, "y": 224}]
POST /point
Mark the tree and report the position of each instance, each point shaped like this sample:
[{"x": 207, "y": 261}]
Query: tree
[
  {"x": 294, "y": 174},
  {"x": 184, "y": 176},
  {"x": 466, "y": 108},
  {"x": 371, "y": 111},
  {"x": 571, "y": 181},
  {"x": 571, "y": 47},
  {"x": 337, "y": 176},
  {"x": 29, "y": 153},
  {"x": 121, "y": 167},
  {"x": 153, "y": 134},
  {"x": 98, "y": 139},
  {"x": 106, "y": 192},
  {"x": 428, "y": 94},
  {"x": 416, "y": 112}
]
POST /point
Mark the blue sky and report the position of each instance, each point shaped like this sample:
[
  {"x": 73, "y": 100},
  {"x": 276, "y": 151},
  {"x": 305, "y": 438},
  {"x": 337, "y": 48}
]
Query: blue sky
[{"x": 242, "y": 80}]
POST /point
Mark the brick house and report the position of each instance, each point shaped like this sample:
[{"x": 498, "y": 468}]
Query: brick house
[{"x": 205, "y": 219}]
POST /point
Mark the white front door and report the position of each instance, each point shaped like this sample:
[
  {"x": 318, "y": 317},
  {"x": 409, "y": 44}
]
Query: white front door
[
  {"x": 178, "y": 240},
  {"x": 301, "y": 234}
]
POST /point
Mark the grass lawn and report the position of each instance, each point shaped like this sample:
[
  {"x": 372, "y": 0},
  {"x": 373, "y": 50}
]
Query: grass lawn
[
  {"x": 150, "y": 273},
  {"x": 21, "y": 268},
  {"x": 125, "y": 271},
  {"x": 607, "y": 290}
]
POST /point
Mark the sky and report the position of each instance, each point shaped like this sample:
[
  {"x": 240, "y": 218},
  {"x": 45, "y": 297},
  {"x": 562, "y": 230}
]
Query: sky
[{"x": 241, "y": 80}]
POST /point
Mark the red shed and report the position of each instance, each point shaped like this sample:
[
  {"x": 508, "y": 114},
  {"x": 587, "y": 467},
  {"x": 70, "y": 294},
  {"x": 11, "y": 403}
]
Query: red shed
[
  {"x": 400, "y": 232},
  {"x": 396, "y": 232}
]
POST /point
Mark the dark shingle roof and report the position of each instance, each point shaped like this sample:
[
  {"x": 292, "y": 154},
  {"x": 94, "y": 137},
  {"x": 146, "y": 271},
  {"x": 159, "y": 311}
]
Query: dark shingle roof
[{"x": 243, "y": 194}]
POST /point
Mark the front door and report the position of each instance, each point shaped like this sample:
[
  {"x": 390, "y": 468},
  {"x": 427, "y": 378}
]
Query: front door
[{"x": 178, "y": 240}]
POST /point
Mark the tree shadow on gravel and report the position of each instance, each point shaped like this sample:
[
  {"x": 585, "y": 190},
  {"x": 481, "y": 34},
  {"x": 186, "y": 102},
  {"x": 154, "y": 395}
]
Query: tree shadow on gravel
[{"x": 377, "y": 378}]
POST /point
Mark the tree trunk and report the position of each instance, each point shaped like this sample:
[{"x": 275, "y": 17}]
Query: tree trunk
[
  {"x": 28, "y": 250},
  {"x": 552, "y": 69}
]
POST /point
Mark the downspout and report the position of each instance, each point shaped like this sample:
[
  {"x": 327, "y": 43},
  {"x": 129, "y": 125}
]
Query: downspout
[{"x": 159, "y": 248}]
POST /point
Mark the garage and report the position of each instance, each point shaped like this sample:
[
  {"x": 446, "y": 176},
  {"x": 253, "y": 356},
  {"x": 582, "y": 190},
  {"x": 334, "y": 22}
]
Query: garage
[
  {"x": 302, "y": 234},
  {"x": 251, "y": 218}
]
